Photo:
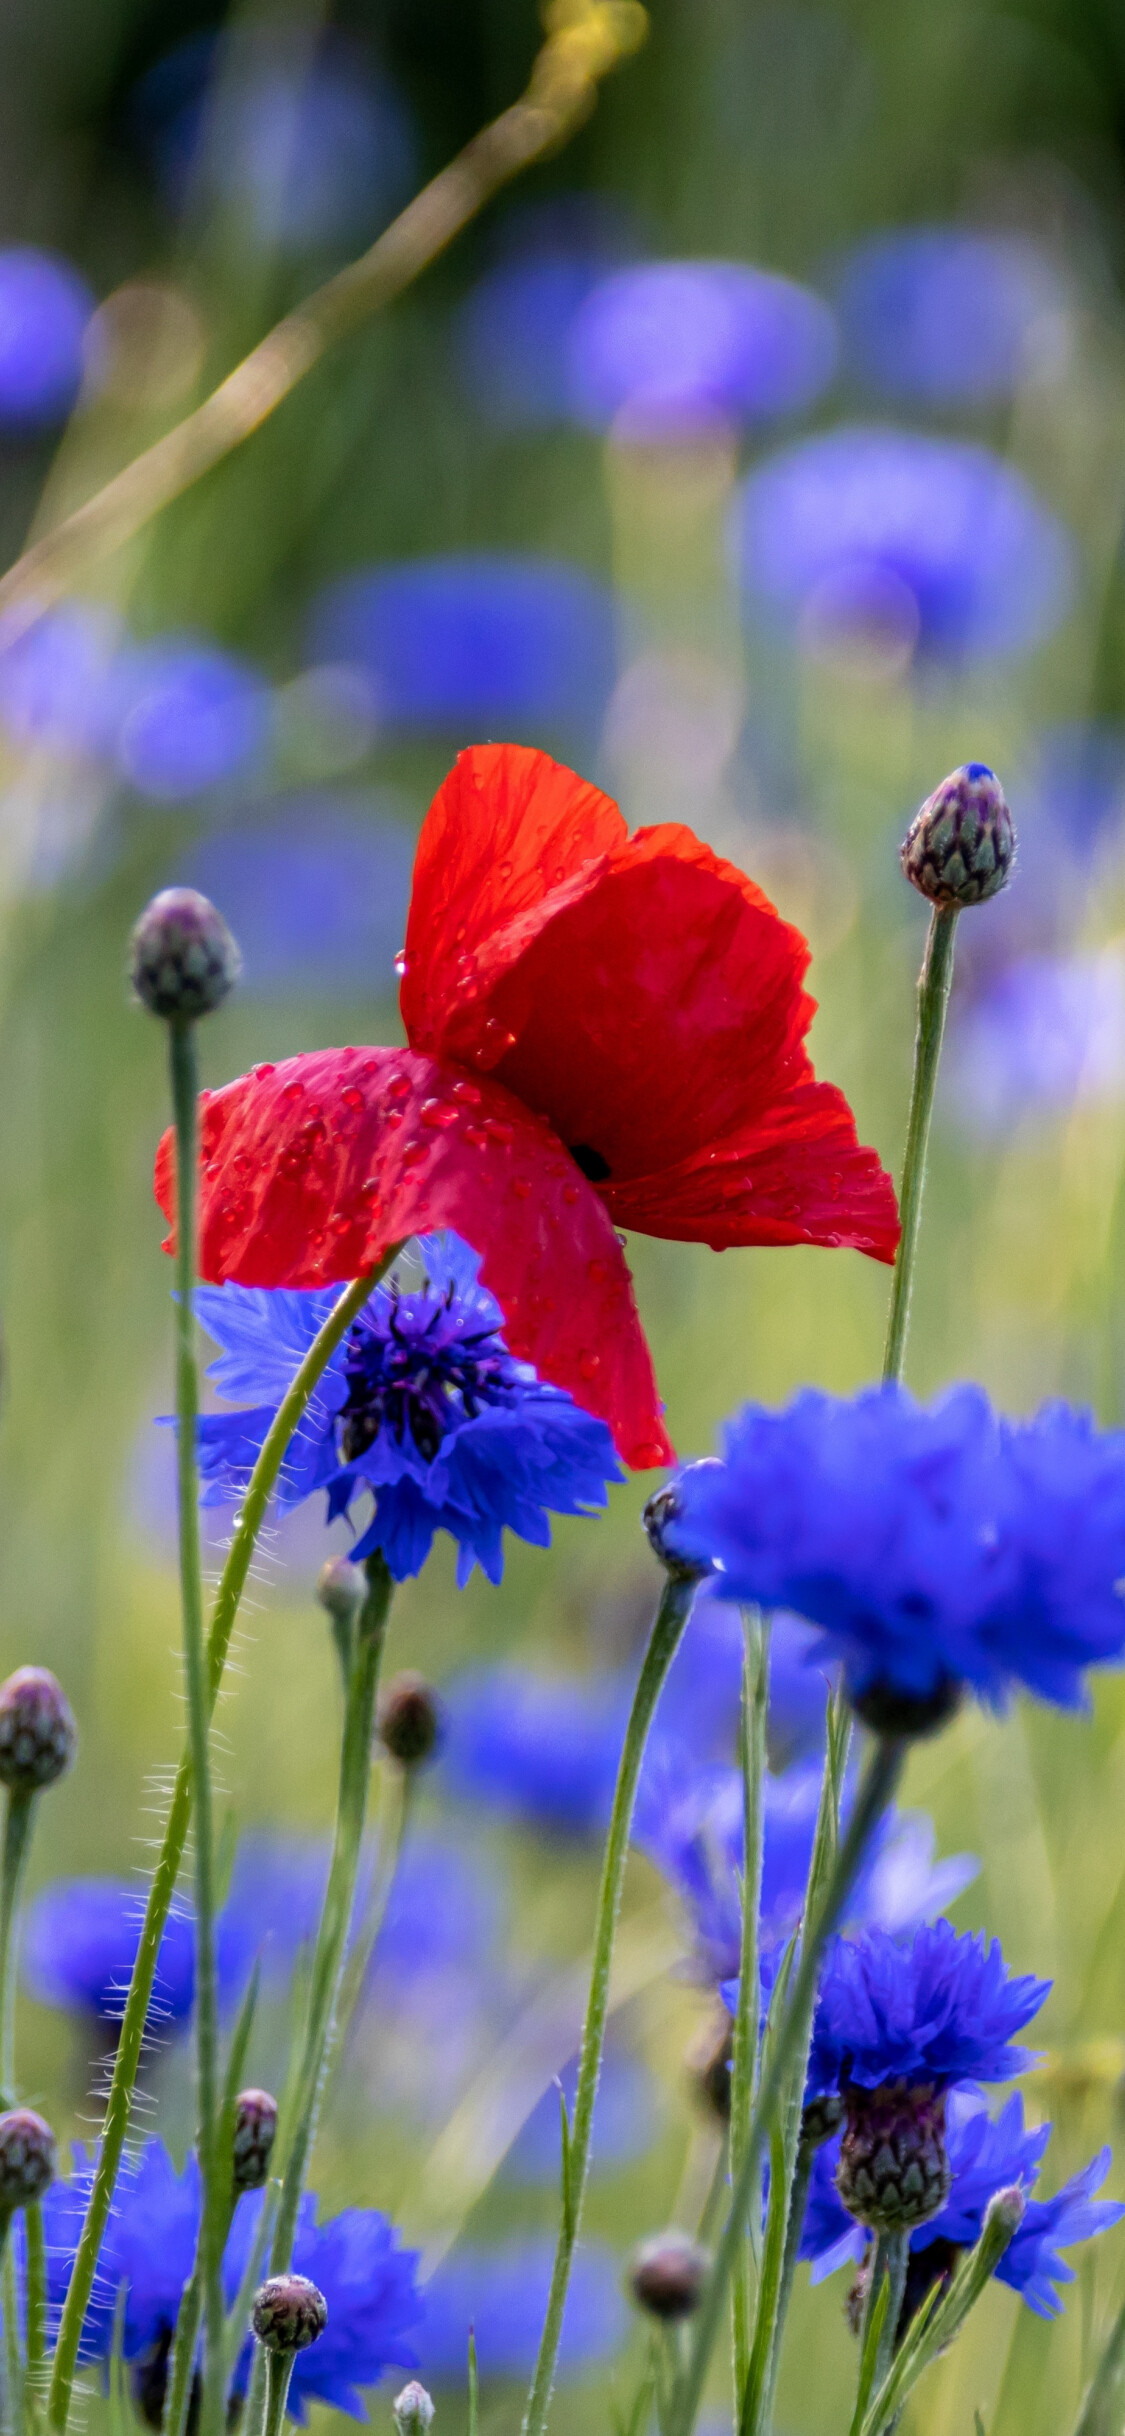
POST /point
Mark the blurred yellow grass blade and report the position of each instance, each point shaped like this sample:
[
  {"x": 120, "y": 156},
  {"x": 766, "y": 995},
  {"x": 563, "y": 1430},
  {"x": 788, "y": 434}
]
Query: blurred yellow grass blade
[
  {"x": 585, "y": 40},
  {"x": 474, "y": 2142}
]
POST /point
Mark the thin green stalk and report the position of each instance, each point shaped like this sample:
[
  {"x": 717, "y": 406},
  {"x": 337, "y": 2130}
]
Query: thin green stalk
[
  {"x": 119, "y": 2106},
  {"x": 934, "y": 983},
  {"x": 339, "y": 1900},
  {"x": 744, "y": 2054},
  {"x": 224, "y": 2200},
  {"x": 36, "y": 2306},
  {"x": 1103, "y": 2410},
  {"x": 876, "y": 1792},
  {"x": 13, "y": 2353},
  {"x": 942, "y": 2316},
  {"x": 184, "y": 1073},
  {"x": 896, "y": 2257},
  {"x": 798, "y": 2200},
  {"x": 19, "y": 1811},
  {"x": 671, "y": 1617},
  {"x": 279, "y": 2369}
]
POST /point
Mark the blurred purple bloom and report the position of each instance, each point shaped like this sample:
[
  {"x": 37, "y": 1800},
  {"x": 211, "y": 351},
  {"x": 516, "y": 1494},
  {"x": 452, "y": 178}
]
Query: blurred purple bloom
[
  {"x": 189, "y": 716},
  {"x": 307, "y": 147},
  {"x": 951, "y": 315},
  {"x": 866, "y": 525},
  {"x": 483, "y": 641},
  {"x": 1042, "y": 1036},
  {"x": 79, "y": 1947},
  {"x": 513, "y": 328},
  {"x": 987, "y": 2154},
  {"x": 667, "y": 346},
  {"x": 502, "y": 2293},
  {"x": 316, "y": 893},
  {"x": 45, "y": 307},
  {"x": 56, "y": 685}
]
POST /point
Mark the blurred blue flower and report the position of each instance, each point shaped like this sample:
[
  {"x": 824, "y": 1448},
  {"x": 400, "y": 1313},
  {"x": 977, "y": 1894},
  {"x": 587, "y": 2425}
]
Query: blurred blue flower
[
  {"x": 316, "y": 895},
  {"x": 513, "y": 328},
  {"x": 306, "y": 147},
  {"x": 189, "y": 715},
  {"x": 45, "y": 307},
  {"x": 935, "y": 2009},
  {"x": 80, "y": 1943},
  {"x": 951, "y": 315},
  {"x": 626, "y": 2121},
  {"x": 689, "y": 1823},
  {"x": 986, "y": 2155},
  {"x": 369, "y": 2283},
  {"x": 1072, "y": 792},
  {"x": 502, "y": 2293},
  {"x": 932, "y": 1546},
  {"x": 1042, "y": 1036},
  {"x": 935, "y": 542},
  {"x": 479, "y": 642},
  {"x": 423, "y": 1406},
  {"x": 56, "y": 685},
  {"x": 666, "y": 346}
]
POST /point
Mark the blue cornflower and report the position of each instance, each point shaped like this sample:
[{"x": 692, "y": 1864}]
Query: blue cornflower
[
  {"x": 1044, "y": 1035},
  {"x": 316, "y": 893},
  {"x": 501, "y": 2293},
  {"x": 45, "y": 313},
  {"x": 422, "y": 1405},
  {"x": 690, "y": 1825},
  {"x": 949, "y": 315},
  {"x": 536, "y": 1747},
  {"x": 80, "y": 1944},
  {"x": 932, "y": 1547},
  {"x": 935, "y": 544},
  {"x": 986, "y": 2154},
  {"x": 660, "y": 348},
  {"x": 369, "y": 2283},
  {"x": 933, "y": 2010}
]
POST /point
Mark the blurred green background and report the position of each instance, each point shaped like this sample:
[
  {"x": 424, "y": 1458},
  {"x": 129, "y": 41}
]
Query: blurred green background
[{"x": 775, "y": 135}]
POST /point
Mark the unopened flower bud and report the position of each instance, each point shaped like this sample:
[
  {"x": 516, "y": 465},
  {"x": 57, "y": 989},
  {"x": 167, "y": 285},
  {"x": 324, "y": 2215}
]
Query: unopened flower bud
[
  {"x": 1006, "y": 2209},
  {"x": 183, "y": 959},
  {"x": 410, "y": 1719},
  {"x": 27, "y": 2158},
  {"x": 339, "y": 1587},
  {"x": 667, "y": 2275},
  {"x": 960, "y": 847},
  {"x": 38, "y": 1737},
  {"x": 255, "y": 2130},
  {"x": 413, "y": 2410},
  {"x": 821, "y": 2119},
  {"x": 661, "y": 1516},
  {"x": 289, "y": 2313},
  {"x": 906, "y": 1716},
  {"x": 894, "y": 2172}
]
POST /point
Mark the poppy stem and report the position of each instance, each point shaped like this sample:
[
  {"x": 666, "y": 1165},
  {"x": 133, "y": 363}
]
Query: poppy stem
[
  {"x": 671, "y": 1617},
  {"x": 877, "y": 1790},
  {"x": 184, "y": 1073},
  {"x": 119, "y": 2106},
  {"x": 934, "y": 983}
]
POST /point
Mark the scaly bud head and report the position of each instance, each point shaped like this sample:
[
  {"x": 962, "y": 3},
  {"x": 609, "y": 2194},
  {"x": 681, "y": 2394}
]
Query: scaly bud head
[
  {"x": 410, "y": 1719},
  {"x": 339, "y": 1587},
  {"x": 667, "y": 2275},
  {"x": 1006, "y": 2210},
  {"x": 660, "y": 1517},
  {"x": 255, "y": 2129},
  {"x": 289, "y": 2313},
  {"x": 27, "y": 2158},
  {"x": 413, "y": 2410},
  {"x": 893, "y": 2172},
  {"x": 960, "y": 847},
  {"x": 38, "y": 1737},
  {"x": 821, "y": 2119},
  {"x": 183, "y": 960}
]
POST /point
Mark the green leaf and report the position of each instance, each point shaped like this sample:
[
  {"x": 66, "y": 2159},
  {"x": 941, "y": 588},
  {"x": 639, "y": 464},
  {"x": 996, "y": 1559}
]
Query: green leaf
[{"x": 875, "y": 2321}]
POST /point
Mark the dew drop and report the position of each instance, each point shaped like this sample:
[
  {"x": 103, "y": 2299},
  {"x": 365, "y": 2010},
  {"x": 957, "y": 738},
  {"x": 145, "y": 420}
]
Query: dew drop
[
  {"x": 597, "y": 1272},
  {"x": 645, "y": 1455},
  {"x": 414, "y": 1154},
  {"x": 438, "y": 1115},
  {"x": 570, "y": 1193},
  {"x": 589, "y": 1365},
  {"x": 498, "y": 1131},
  {"x": 394, "y": 1116},
  {"x": 521, "y": 1186},
  {"x": 403, "y": 962},
  {"x": 468, "y": 1093},
  {"x": 476, "y": 1136},
  {"x": 370, "y": 1190},
  {"x": 292, "y": 1091},
  {"x": 341, "y": 1225},
  {"x": 505, "y": 871},
  {"x": 398, "y": 1086},
  {"x": 260, "y": 1072},
  {"x": 351, "y": 1096}
]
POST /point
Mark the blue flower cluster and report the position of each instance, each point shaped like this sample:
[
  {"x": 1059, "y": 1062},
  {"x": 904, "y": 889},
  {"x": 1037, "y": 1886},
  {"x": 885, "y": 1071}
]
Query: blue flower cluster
[
  {"x": 933, "y": 2010},
  {"x": 422, "y": 1406},
  {"x": 987, "y": 2154},
  {"x": 930, "y": 1546}
]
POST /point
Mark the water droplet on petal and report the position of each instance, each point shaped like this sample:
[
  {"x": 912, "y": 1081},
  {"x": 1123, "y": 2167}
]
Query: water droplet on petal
[
  {"x": 521, "y": 1186},
  {"x": 505, "y": 871},
  {"x": 292, "y": 1091},
  {"x": 398, "y": 1086},
  {"x": 467, "y": 1092},
  {"x": 260, "y": 1072},
  {"x": 394, "y": 1116},
  {"x": 476, "y": 1135},
  {"x": 414, "y": 1154},
  {"x": 589, "y": 1365},
  {"x": 645, "y": 1455},
  {"x": 498, "y": 1131},
  {"x": 438, "y": 1115},
  {"x": 351, "y": 1096},
  {"x": 570, "y": 1193}
]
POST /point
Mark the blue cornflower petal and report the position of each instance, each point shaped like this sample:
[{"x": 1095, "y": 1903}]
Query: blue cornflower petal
[
  {"x": 80, "y": 1943},
  {"x": 423, "y": 1406},
  {"x": 939, "y": 2009},
  {"x": 927, "y": 1544}
]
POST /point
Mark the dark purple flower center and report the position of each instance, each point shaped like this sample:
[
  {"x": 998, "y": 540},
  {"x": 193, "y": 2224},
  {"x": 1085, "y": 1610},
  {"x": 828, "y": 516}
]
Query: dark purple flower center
[{"x": 416, "y": 1370}]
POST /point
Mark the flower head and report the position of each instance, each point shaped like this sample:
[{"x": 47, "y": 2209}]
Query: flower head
[
  {"x": 422, "y": 1407},
  {"x": 950, "y": 315},
  {"x": 661, "y": 349},
  {"x": 931, "y": 1546},
  {"x": 81, "y": 1943},
  {"x": 604, "y": 1032},
  {"x": 986, "y": 2154},
  {"x": 934, "y": 2009}
]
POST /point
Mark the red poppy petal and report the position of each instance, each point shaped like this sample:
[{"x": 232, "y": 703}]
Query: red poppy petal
[
  {"x": 798, "y": 1175},
  {"x": 312, "y": 1168},
  {"x": 506, "y": 838}
]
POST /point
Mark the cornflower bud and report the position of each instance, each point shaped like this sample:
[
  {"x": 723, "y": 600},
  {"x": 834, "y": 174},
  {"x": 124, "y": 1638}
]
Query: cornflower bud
[
  {"x": 38, "y": 1737},
  {"x": 183, "y": 960},
  {"x": 289, "y": 2313},
  {"x": 660, "y": 1516},
  {"x": 339, "y": 1587},
  {"x": 667, "y": 2275},
  {"x": 959, "y": 848},
  {"x": 410, "y": 1719},
  {"x": 413, "y": 2410},
  {"x": 709, "y": 2059},
  {"x": 255, "y": 2129},
  {"x": 27, "y": 2158},
  {"x": 894, "y": 2172},
  {"x": 821, "y": 2118}
]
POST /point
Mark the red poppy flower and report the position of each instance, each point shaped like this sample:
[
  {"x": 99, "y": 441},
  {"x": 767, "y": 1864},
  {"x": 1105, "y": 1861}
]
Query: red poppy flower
[{"x": 603, "y": 1031}]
